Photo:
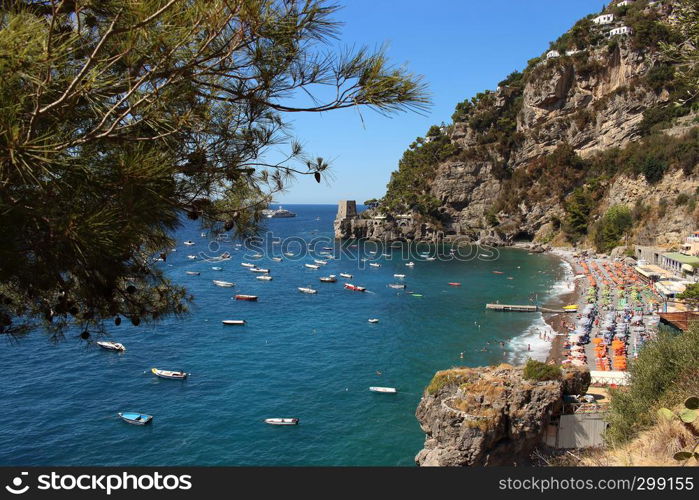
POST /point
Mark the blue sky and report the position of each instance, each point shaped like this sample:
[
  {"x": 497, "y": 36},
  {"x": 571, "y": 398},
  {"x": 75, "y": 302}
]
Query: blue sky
[{"x": 460, "y": 47}]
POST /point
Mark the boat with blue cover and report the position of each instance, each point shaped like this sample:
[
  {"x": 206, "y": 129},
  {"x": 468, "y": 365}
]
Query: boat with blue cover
[{"x": 136, "y": 418}]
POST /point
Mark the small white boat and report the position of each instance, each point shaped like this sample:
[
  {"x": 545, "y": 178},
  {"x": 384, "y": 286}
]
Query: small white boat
[
  {"x": 277, "y": 259},
  {"x": 265, "y": 277},
  {"x": 430, "y": 258},
  {"x": 247, "y": 264},
  {"x": 233, "y": 321},
  {"x": 192, "y": 273},
  {"x": 321, "y": 262},
  {"x": 328, "y": 279},
  {"x": 390, "y": 390},
  {"x": 399, "y": 276},
  {"x": 374, "y": 264},
  {"x": 282, "y": 421},
  {"x": 256, "y": 256},
  {"x": 191, "y": 257},
  {"x": 410, "y": 264},
  {"x": 176, "y": 375},
  {"x": 303, "y": 289},
  {"x": 189, "y": 243},
  {"x": 289, "y": 254},
  {"x": 112, "y": 346},
  {"x": 217, "y": 268},
  {"x": 135, "y": 418},
  {"x": 312, "y": 266},
  {"x": 386, "y": 254},
  {"x": 203, "y": 234},
  {"x": 396, "y": 285},
  {"x": 373, "y": 320},
  {"x": 345, "y": 275},
  {"x": 223, "y": 284},
  {"x": 259, "y": 270}
]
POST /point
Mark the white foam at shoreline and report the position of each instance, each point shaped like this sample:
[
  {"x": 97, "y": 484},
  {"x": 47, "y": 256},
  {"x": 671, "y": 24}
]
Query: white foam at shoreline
[
  {"x": 519, "y": 346},
  {"x": 566, "y": 284}
]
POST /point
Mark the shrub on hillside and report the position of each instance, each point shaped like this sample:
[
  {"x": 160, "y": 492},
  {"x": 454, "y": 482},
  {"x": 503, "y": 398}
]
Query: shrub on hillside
[
  {"x": 613, "y": 226},
  {"x": 665, "y": 373},
  {"x": 536, "y": 370}
]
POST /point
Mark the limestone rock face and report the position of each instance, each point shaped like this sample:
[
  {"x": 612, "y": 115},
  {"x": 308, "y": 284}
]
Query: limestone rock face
[{"x": 490, "y": 415}]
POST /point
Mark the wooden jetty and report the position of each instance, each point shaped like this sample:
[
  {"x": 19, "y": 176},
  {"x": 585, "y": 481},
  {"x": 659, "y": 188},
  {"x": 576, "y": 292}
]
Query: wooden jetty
[{"x": 523, "y": 308}]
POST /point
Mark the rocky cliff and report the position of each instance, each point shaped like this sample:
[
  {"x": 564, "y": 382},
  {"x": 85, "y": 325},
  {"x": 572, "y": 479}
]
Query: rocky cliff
[
  {"x": 512, "y": 157},
  {"x": 489, "y": 416}
]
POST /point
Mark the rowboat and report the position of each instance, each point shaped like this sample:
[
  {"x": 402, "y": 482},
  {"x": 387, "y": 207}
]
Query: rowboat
[
  {"x": 259, "y": 270},
  {"x": 410, "y": 264},
  {"x": 399, "y": 276},
  {"x": 112, "y": 346},
  {"x": 233, "y": 321},
  {"x": 345, "y": 275},
  {"x": 374, "y": 264},
  {"x": 312, "y": 266},
  {"x": 454, "y": 284},
  {"x": 396, "y": 285},
  {"x": 135, "y": 418},
  {"x": 571, "y": 308},
  {"x": 189, "y": 243},
  {"x": 192, "y": 273},
  {"x": 251, "y": 298},
  {"x": 350, "y": 286},
  {"x": 282, "y": 421},
  {"x": 265, "y": 277},
  {"x": 321, "y": 262},
  {"x": 329, "y": 279},
  {"x": 303, "y": 289},
  {"x": 217, "y": 268},
  {"x": 223, "y": 284},
  {"x": 391, "y": 390},
  {"x": 175, "y": 375},
  {"x": 247, "y": 264},
  {"x": 191, "y": 257},
  {"x": 373, "y": 320}
]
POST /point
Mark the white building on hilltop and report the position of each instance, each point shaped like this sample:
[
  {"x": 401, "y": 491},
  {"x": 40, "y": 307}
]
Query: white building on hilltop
[
  {"x": 604, "y": 19},
  {"x": 624, "y": 3},
  {"x": 621, "y": 30},
  {"x": 552, "y": 53}
]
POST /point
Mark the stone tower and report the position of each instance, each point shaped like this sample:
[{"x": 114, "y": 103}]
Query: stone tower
[{"x": 346, "y": 209}]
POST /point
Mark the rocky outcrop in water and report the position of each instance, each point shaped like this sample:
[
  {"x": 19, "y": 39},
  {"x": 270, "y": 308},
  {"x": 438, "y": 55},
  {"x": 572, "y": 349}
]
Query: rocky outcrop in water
[{"x": 489, "y": 416}]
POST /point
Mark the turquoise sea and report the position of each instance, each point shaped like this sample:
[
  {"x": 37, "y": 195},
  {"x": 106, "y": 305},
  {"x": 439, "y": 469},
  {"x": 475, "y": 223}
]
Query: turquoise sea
[{"x": 307, "y": 356}]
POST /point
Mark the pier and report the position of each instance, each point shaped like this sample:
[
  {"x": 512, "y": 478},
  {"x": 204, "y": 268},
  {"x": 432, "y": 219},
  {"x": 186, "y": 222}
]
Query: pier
[{"x": 523, "y": 308}]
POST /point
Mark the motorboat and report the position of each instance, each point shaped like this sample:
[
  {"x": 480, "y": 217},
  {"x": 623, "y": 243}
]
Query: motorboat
[
  {"x": 396, "y": 285},
  {"x": 345, "y": 275},
  {"x": 233, "y": 321},
  {"x": 191, "y": 257},
  {"x": 374, "y": 264},
  {"x": 277, "y": 259},
  {"x": 192, "y": 273},
  {"x": 282, "y": 421},
  {"x": 430, "y": 259},
  {"x": 389, "y": 390},
  {"x": 329, "y": 279},
  {"x": 289, "y": 254},
  {"x": 280, "y": 213},
  {"x": 112, "y": 346},
  {"x": 189, "y": 243},
  {"x": 350, "y": 286},
  {"x": 498, "y": 272},
  {"x": 328, "y": 248},
  {"x": 175, "y": 375},
  {"x": 321, "y": 262},
  {"x": 247, "y": 264},
  {"x": 256, "y": 256},
  {"x": 259, "y": 270},
  {"x": 303, "y": 289},
  {"x": 386, "y": 254},
  {"x": 223, "y": 284},
  {"x": 217, "y": 268},
  {"x": 250, "y": 298},
  {"x": 265, "y": 277},
  {"x": 401, "y": 276},
  {"x": 454, "y": 284},
  {"x": 373, "y": 320},
  {"x": 410, "y": 264},
  {"x": 222, "y": 257},
  {"x": 136, "y": 418},
  {"x": 312, "y": 266}
]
